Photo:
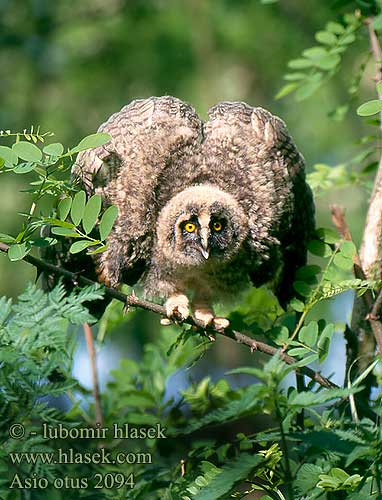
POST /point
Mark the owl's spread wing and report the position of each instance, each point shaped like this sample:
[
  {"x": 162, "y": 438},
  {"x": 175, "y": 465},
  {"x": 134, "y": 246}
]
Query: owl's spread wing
[
  {"x": 147, "y": 135},
  {"x": 266, "y": 173}
]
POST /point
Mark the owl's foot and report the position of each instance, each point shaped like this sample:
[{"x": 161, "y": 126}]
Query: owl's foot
[
  {"x": 177, "y": 308},
  {"x": 206, "y": 317},
  {"x": 221, "y": 323}
]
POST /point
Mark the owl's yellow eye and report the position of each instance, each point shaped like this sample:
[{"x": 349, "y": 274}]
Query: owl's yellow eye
[
  {"x": 190, "y": 227},
  {"x": 218, "y": 226}
]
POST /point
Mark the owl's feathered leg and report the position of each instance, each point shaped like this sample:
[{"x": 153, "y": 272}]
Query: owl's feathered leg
[{"x": 177, "y": 307}]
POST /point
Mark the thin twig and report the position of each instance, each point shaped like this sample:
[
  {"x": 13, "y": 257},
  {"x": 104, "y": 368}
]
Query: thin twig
[
  {"x": 134, "y": 301},
  {"x": 371, "y": 248},
  {"x": 338, "y": 218},
  {"x": 92, "y": 355},
  {"x": 376, "y": 310},
  {"x": 375, "y": 48}
]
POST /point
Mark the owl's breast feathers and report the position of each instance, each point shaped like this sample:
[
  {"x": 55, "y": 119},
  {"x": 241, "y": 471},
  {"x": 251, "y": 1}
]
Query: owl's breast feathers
[{"x": 160, "y": 148}]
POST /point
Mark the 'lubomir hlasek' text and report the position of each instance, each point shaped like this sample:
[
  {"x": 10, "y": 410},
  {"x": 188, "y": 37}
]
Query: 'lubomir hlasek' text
[{"x": 118, "y": 431}]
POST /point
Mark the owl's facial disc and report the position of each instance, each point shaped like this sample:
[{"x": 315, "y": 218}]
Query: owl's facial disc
[
  {"x": 203, "y": 233},
  {"x": 201, "y": 225}
]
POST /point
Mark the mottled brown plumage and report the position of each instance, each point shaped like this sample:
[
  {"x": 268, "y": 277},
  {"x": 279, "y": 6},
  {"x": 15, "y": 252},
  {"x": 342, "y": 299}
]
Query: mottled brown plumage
[{"x": 237, "y": 181}]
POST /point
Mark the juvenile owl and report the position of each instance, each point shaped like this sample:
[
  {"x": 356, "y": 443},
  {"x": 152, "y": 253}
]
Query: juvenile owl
[{"x": 204, "y": 208}]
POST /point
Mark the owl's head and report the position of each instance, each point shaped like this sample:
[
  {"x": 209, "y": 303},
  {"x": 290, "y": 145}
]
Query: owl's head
[{"x": 200, "y": 225}]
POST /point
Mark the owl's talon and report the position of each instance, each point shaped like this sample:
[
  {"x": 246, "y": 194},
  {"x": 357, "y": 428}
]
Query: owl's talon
[
  {"x": 211, "y": 336},
  {"x": 220, "y": 323},
  {"x": 177, "y": 308},
  {"x": 204, "y": 317},
  {"x": 165, "y": 322}
]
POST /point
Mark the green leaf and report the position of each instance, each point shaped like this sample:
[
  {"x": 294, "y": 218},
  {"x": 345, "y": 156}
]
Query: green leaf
[
  {"x": 286, "y": 89},
  {"x": 80, "y": 245},
  {"x": 300, "y": 63},
  {"x": 305, "y": 361},
  {"x": 317, "y": 247},
  {"x": 315, "y": 53},
  {"x": 23, "y": 168},
  {"x": 298, "y": 351},
  {"x": 6, "y": 238},
  {"x": 63, "y": 208},
  {"x": 370, "y": 108},
  {"x": 279, "y": 335},
  {"x": 378, "y": 87},
  {"x": 294, "y": 76},
  {"x": 18, "y": 251},
  {"x": 250, "y": 400},
  {"x": 302, "y": 288},
  {"x": 107, "y": 221},
  {"x": 324, "y": 342},
  {"x": 308, "y": 334},
  {"x": 301, "y": 399},
  {"x": 347, "y": 39},
  {"x": 336, "y": 28},
  {"x": 8, "y": 155},
  {"x": 100, "y": 249},
  {"x": 91, "y": 141},
  {"x": 326, "y": 37},
  {"x": 233, "y": 472},
  {"x": 27, "y": 151},
  {"x": 328, "y": 61},
  {"x": 307, "y": 272},
  {"x": 342, "y": 262},
  {"x": 327, "y": 235},
  {"x": 91, "y": 213},
  {"x": 65, "y": 231},
  {"x": 58, "y": 222},
  {"x": 141, "y": 399},
  {"x": 307, "y": 478},
  {"x": 55, "y": 149},
  {"x": 307, "y": 89},
  {"x": 348, "y": 249},
  {"x": 297, "y": 305},
  {"x": 78, "y": 207}
]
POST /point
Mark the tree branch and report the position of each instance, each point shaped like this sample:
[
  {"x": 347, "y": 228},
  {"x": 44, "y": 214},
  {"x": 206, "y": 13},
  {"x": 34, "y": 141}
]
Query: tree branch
[
  {"x": 132, "y": 300},
  {"x": 338, "y": 218},
  {"x": 365, "y": 328},
  {"x": 375, "y": 48},
  {"x": 93, "y": 362}
]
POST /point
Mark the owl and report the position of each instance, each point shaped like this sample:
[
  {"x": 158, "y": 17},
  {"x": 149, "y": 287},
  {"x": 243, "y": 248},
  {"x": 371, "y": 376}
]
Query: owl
[{"x": 205, "y": 208}]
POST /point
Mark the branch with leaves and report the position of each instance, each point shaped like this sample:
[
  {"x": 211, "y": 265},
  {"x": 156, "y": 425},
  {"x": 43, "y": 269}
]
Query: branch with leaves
[{"x": 134, "y": 301}]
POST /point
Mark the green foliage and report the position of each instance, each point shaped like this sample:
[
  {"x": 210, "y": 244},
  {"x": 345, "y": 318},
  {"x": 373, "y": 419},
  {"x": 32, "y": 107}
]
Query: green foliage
[
  {"x": 321, "y": 62},
  {"x": 84, "y": 214},
  {"x": 316, "y": 442},
  {"x": 372, "y": 107}
]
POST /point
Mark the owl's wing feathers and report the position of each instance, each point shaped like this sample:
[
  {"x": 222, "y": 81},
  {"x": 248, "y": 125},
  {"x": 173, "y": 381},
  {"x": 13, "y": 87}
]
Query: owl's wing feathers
[
  {"x": 147, "y": 135},
  {"x": 267, "y": 174}
]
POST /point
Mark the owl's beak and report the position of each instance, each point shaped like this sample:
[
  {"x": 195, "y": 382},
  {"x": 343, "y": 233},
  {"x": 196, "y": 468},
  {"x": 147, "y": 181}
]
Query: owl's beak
[{"x": 204, "y": 249}]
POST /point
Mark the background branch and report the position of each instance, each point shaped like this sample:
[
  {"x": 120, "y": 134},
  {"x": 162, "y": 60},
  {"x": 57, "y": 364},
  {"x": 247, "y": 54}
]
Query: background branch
[
  {"x": 93, "y": 361},
  {"x": 366, "y": 327},
  {"x": 134, "y": 301}
]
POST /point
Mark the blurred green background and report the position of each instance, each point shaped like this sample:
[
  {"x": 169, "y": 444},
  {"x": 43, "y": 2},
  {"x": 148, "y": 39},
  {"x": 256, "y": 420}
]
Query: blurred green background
[{"x": 67, "y": 66}]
